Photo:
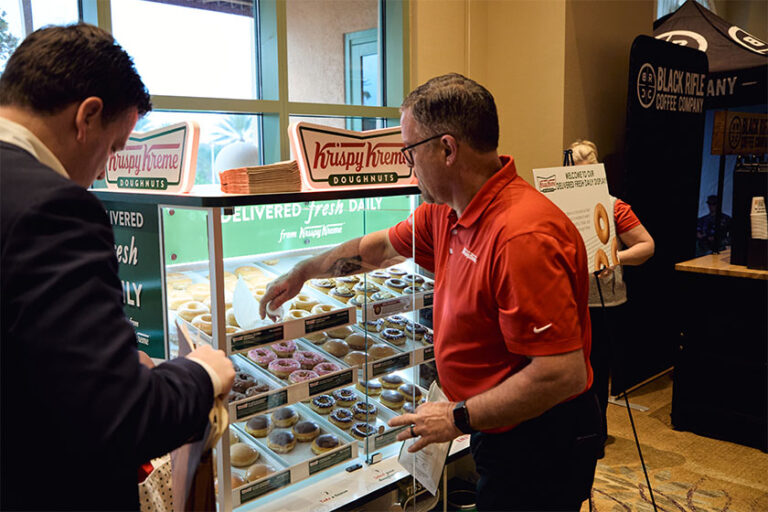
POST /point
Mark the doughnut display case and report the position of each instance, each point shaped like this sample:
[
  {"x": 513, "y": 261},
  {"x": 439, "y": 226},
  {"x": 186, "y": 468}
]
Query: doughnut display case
[{"x": 341, "y": 360}]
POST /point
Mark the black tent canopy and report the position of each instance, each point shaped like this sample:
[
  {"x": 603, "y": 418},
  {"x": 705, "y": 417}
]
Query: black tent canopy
[{"x": 738, "y": 61}]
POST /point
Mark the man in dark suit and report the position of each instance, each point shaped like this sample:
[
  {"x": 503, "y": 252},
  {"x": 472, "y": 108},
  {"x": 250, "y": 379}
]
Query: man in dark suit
[{"x": 79, "y": 412}]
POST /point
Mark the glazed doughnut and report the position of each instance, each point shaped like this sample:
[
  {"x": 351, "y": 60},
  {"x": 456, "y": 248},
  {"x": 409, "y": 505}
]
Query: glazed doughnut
[
  {"x": 615, "y": 251},
  {"x": 302, "y": 301},
  {"x": 391, "y": 381},
  {"x": 410, "y": 290},
  {"x": 324, "y": 285},
  {"x": 189, "y": 310},
  {"x": 203, "y": 322},
  {"x": 317, "y": 338},
  {"x": 259, "y": 426},
  {"x": 258, "y": 471},
  {"x": 237, "y": 481},
  {"x": 355, "y": 358},
  {"x": 380, "y": 350},
  {"x": 602, "y": 226},
  {"x": 410, "y": 392},
  {"x": 306, "y": 431},
  {"x": 413, "y": 279},
  {"x": 243, "y": 382},
  {"x": 395, "y": 284},
  {"x": 231, "y": 320},
  {"x": 358, "y": 301},
  {"x": 349, "y": 281},
  {"x": 364, "y": 411},
  {"x": 378, "y": 276},
  {"x": 199, "y": 291},
  {"x": 176, "y": 300},
  {"x": 241, "y": 455},
  {"x": 392, "y": 399},
  {"x": 325, "y": 443},
  {"x": 258, "y": 293},
  {"x": 356, "y": 341},
  {"x": 339, "y": 332},
  {"x": 371, "y": 387},
  {"x": 382, "y": 295},
  {"x": 337, "y": 348},
  {"x": 308, "y": 359},
  {"x": 362, "y": 430},
  {"x": 282, "y": 368},
  {"x": 395, "y": 322},
  {"x": 295, "y": 314},
  {"x": 322, "y": 404},
  {"x": 326, "y": 368},
  {"x": 227, "y": 301},
  {"x": 601, "y": 260},
  {"x": 233, "y": 437},
  {"x": 394, "y": 336},
  {"x": 319, "y": 309},
  {"x": 284, "y": 417},
  {"x": 342, "y": 293},
  {"x": 344, "y": 397},
  {"x": 342, "y": 418},
  {"x": 248, "y": 272},
  {"x": 281, "y": 441},
  {"x": 262, "y": 356},
  {"x": 284, "y": 348},
  {"x": 367, "y": 289},
  {"x": 396, "y": 272},
  {"x": 301, "y": 375},
  {"x": 179, "y": 284},
  {"x": 175, "y": 276}
]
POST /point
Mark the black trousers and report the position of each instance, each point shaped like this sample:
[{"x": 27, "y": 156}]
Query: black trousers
[
  {"x": 604, "y": 356},
  {"x": 544, "y": 464}
]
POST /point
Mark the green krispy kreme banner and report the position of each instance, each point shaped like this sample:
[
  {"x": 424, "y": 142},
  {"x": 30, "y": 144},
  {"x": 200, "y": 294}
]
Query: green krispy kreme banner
[
  {"x": 137, "y": 248},
  {"x": 259, "y": 229}
]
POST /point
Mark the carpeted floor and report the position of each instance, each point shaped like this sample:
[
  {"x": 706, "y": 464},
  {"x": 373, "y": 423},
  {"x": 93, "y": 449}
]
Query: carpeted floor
[{"x": 688, "y": 472}]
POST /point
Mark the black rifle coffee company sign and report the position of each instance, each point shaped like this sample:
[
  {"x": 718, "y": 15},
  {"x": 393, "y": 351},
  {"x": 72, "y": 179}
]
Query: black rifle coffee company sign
[{"x": 137, "y": 248}]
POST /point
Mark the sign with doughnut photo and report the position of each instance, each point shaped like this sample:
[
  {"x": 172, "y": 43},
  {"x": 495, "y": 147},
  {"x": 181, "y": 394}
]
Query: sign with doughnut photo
[{"x": 582, "y": 193}]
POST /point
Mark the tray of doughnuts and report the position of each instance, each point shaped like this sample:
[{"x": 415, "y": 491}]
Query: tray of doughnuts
[
  {"x": 294, "y": 361},
  {"x": 251, "y": 466},
  {"x": 354, "y": 346},
  {"x": 398, "y": 394},
  {"x": 294, "y": 436}
]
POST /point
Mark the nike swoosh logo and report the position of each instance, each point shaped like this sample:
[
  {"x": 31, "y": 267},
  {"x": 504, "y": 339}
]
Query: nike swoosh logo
[{"x": 537, "y": 330}]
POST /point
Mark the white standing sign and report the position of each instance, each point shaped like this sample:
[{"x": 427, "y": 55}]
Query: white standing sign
[
  {"x": 162, "y": 160},
  {"x": 582, "y": 193}
]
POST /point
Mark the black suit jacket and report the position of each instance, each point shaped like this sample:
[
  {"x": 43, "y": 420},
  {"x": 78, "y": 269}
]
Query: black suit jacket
[{"x": 78, "y": 412}]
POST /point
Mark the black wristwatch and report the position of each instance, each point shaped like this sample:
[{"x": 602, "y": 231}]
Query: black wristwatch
[{"x": 461, "y": 418}]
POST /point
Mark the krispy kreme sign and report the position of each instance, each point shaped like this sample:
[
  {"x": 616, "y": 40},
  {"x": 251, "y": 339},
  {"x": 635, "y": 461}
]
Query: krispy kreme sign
[
  {"x": 333, "y": 158},
  {"x": 162, "y": 160}
]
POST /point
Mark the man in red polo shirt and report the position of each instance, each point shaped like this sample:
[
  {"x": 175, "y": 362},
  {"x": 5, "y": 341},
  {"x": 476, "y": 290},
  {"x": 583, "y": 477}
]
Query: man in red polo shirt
[{"x": 511, "y": 315}]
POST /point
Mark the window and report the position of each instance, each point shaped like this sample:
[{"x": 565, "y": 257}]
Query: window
[
  {"x": 664, "y": 7},
  {"x": 19, "y": 18}
]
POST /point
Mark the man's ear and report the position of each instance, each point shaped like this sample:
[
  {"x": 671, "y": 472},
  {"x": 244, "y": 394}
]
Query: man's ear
[
  {"x": 450, "y": 148},
  {"x": 87, "y": 116}
]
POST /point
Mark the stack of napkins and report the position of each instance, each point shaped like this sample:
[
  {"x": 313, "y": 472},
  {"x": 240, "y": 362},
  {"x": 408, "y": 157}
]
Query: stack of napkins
[{"x": 262, "y": 179}]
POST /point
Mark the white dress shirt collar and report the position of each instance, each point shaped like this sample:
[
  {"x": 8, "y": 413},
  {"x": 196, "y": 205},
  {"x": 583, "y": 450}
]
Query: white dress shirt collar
[{"x": 18, "y": 135}]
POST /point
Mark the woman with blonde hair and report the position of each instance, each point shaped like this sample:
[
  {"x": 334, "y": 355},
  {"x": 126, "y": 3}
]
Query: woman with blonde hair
[{"x": 635, "y": 247}]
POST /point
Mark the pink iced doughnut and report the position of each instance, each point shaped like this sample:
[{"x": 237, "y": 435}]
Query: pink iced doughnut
[
  {"x": 308, "y": 359},
  {"x": 301, "y": 376},
  {"x": 284, "y": 348},
  {"x": 325, "y": 368},
  {"x": 283, "y": 367},
  {"x": 262, "y": 356}
]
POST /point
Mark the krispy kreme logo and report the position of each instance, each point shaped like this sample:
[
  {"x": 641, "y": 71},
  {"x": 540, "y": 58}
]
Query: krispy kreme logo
[
  {"x": 138, "y": 158},
  {"x": 333, "y": 157},
  {"x": 547, "y": 183},
  {"x": 357, "y": 156}
]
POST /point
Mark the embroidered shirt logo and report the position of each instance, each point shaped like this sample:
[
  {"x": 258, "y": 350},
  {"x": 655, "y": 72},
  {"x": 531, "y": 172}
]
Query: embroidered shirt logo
[
  {"x": 537, "y": 330},
  {"x": 469, "y": 255}
]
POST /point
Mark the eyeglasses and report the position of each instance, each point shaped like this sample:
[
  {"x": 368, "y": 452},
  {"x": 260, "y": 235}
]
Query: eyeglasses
[{"x": 407, "y": 151}]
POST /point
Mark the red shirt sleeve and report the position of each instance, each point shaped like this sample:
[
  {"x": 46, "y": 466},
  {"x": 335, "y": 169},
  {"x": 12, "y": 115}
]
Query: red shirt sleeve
[
  {"x": 416, "y": 228},
  {"x": 624, "y": 217},
  {"x": 536, "y": 279}
]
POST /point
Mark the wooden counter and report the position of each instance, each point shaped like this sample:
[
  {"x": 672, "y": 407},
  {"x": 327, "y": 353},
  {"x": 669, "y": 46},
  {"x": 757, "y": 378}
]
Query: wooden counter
[{"x": 720, "y": 264}]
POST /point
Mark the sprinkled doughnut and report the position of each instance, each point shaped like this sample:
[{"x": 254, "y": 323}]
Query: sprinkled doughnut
[
  {"x": 301, "y": 375},
  {"x": 284, "y": 348},
  {"x": 322, "y": 404},
  {"x": 326, "y": 368},
  {"x": 362, "y": 430},
  {"x": 283, "y": 367},
  {"x": 262, "y": 356},
  {"x": 602, "y": 226},
  {"x": 308, "y": 359},
  {"x": 342, "y": 418},
  {"x": 344, "y": 397}
]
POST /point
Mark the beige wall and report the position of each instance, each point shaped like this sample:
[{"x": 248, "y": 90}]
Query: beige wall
[
  {"x": 557, "y": 68},
  {"x": 316, "y": 57},
  {"x": 751, "y": 15}
]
